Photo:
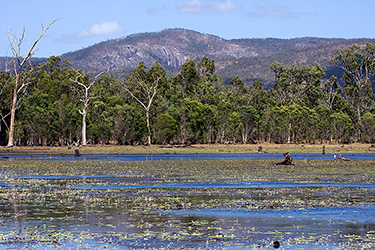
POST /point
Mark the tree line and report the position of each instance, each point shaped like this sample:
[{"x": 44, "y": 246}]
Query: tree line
[{"x": 59, "y": 105}]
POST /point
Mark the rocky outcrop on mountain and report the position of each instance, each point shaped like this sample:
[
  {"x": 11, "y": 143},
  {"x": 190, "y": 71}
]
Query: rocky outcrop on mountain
[
  {"x": 170, "y": 47},
  {"x": 247, "y": 58}
]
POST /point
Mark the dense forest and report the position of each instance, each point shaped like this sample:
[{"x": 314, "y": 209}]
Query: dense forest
[{"x": 59, "y": 105}]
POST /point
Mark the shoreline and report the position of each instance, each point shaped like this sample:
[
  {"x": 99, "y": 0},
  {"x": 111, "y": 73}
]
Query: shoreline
[{"x": 191, "y": 149}]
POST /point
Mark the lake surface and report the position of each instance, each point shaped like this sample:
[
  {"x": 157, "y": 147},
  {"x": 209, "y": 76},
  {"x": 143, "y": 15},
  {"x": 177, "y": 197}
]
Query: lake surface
[
  {"x": 190, "y": 204},
  {"x": 167, "y": 157},
  {"x": 243, "y": 185},
  {"x": 77, "y": 216}
]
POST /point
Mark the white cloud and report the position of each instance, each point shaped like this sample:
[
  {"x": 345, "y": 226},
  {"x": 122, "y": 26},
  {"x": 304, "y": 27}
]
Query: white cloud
[
  {"x": 191, "y": 6},
  {"x": 102, "y": 29},
  {"x": 227, "y": 6},
  {"x": 273, "y": 10},
  {"x": 153, "y": 11},
  {"x": 197, "y": 6}
]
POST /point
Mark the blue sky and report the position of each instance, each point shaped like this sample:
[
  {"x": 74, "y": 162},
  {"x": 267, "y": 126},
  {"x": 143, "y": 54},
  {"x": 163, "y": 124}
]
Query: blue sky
[{"x": 84, "y": 23}]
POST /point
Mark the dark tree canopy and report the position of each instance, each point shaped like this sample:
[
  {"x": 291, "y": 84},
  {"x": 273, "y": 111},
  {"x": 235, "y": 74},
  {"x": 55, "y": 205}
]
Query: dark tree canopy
[{"x": 195, "y": 106}]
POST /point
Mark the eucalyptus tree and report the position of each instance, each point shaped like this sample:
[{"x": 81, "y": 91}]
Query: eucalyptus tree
[
  {"x": 206, "y": 68},
  {"x": 165, "y": 128},
  {"x": 330, "y": 92},
  {"x": 368, "y": 127},
  {"x": 234, "y": 128},
  {"x": 189, "y": 78},
  {"x": 53, "y": 79},
  {"x": 20, "y": 82},
  {"x": 322, "y": 129},
  {"x": 250, "y": 121},
  {"x": 303, "y": 122},
  {"x": 279, "y": 124},
  {"x": 358, "y": 63},
  {"x": 341, "y": 127},
  {"x": 237, "y": 92},
  {"x": 101, "y": 121},
  {"x": 260, "y": 100},
  {"x": 129, "y": 125},
  {"x": 208, "y": 84},
  {"x": 224, "y": 111},
  {"x": 192, "y": 121},
  {"x": 258, "y": 97},
  {"x": 237, "y": 86},
  {"x": 83, "y": 87},
  {"x": 143, "y": 85},
  {"x": 209, "y": 123},
  {"x": 297, "y": 85},
  {"x": 5, "y": 79}
]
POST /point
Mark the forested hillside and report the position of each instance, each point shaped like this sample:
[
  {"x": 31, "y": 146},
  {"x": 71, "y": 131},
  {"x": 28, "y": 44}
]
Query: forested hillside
[
  {"x": 247, "y": 58},
  {"x": 63, "y": 106}
]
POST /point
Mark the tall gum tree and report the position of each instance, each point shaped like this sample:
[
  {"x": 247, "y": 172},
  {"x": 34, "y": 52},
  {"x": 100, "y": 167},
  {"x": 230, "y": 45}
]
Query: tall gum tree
[
  {"x": 143, "y": 85},
  {"x": 358, "y": 63},
  {"x": 19, "y": 62},
  {"x": 85, "y": 96},
  {"x": 5, "y": 79}
]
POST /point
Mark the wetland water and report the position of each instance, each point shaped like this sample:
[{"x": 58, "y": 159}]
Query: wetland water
[
  {"x": 200, "y": 204},
  {"x": 169, "y": 157}
]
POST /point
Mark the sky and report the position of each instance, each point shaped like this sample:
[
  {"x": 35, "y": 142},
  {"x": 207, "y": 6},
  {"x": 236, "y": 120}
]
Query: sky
[{"x": 82, "y": 23}]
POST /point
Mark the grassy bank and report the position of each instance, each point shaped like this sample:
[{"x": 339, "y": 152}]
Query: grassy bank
[{"x": 194, "y": 149}]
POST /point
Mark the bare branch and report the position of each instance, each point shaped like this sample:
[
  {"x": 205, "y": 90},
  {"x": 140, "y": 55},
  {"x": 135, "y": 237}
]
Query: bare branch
[
  {"x": 148, "y": 92},
  {"x": 15, "y": 45},
  {"x": 140, "y": 102},
  {"x": 3, "y": 118},
  {"x": 86, "y": 98}
]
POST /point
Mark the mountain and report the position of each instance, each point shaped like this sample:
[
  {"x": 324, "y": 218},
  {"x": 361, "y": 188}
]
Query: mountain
[
  {"x": 247, "y": 58},
  {"x": 170, "y": 47}
]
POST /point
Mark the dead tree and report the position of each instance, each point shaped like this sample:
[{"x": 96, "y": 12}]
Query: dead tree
[
  {"x": 340, "y": 157},
  {"x": 18, "y": 64},
  {"x": 288, "y": 160},
  {"x": 84, "y": 97}
]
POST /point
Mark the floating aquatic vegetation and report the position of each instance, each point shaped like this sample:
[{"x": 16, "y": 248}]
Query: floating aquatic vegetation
[{"x": 96, "y": 204}]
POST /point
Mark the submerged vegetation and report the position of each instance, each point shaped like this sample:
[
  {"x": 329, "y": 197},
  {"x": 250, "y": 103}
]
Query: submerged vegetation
[{"x": 190, "y": 204}]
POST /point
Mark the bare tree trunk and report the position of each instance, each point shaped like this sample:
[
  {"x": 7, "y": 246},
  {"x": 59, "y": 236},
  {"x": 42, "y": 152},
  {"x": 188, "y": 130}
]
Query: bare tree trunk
[
  {"x": 289, "y": 131},
  {"x": 359, "y": 122},
  {"x": 245, "y": 133},
  {"x": 149, "y": 92},
  {"x": 148, "y": 127},
  {"x": 85, "y": 99},
  {"x": 18, "y": 64},
  {"x": 13, "y": 113},
  {"x": 84, "y": 141}
]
